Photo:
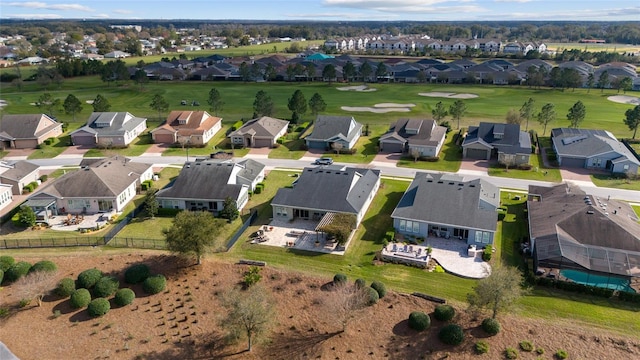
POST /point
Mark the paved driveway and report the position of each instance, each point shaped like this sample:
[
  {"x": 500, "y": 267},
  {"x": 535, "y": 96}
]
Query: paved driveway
[
  {"x": 474, "y": 167},
  {"x": 19, "y": 154},
  {"x": 74, "y": 151},
  {"x": 387, "y": 158},
  {"x": 576, "y": 175}
]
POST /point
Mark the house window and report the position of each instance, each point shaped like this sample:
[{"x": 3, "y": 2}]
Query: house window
[
  {"x": 483, "y": 237},
  {"x": 409, "y": 226},
  {"x": 626, "y": 167},
  {"x": 78, "y": 204}
]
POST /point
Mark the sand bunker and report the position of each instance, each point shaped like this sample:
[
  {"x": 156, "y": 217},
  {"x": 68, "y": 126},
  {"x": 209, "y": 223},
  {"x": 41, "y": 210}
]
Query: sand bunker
[
  {"x": 374, "y": 110},
  {"x": 625, "y": 99},
  {"x": 393, "y": 105},
  {"x": 360, "y": 88},
  {"x": 449, "y": 95},
  {"x": 3, "y": 103},
  {"x": 90, "y": 102}
]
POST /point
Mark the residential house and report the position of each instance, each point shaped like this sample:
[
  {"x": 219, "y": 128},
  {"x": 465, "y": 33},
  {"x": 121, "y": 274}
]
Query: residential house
[
  {"x": 320, "y": 191},
  {"x": 334, "y": 132},
  {"x": 205, "y": 185},
  {"x": 414, "y": 136},
  {"x": 117, "y": 55},
  {"x": 6, "y": 196},
  {"x": 260, "y": 132},
  {"x": 27, "y": 131},
  {"x": 592, "y": 149},
  {"x": 445, "y": 205},
  {"x": 574, "y": 232},
  {"x": 490, "y": 45},
  {"x": 106, "y": 185},
  {"x": 502, "y": 141},
  {"x": 108, "y": 129},
  {"x": 18, "y": 174},
  {"x": 195, "y": 128}
]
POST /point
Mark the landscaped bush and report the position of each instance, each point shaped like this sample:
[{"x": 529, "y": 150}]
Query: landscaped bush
[
  {"x": 380, "y": 288},
  {"x": 511, "y": 353},
  {"x": 630, "y": 297},
  {"x": 575, "y": 287},
  {"x": 44, "y": 265},
  {"x": 1, "y": 275},
  {"x": 88, "y": 278},
  {"x": 526, "y": 346},
  {"x": 137, "y": 273},
  {"x": 106, "y": 287},
  {"x": 482, "y": 347},
  {"x": 525, "y": 166},
  {"x": 360, "y": 283},
  {"x": 372, "y": 296},
  {"x": 562, "y": 354},
  {"x": 124, "y": 297},
  {"x": 444, "y": 312},
  {"x": 491, "y": 326},
  {"x": 154, "y": 284},
  {"x": 166, "y": 212},
  {"x": 237, "y": 125},
  {"x": 486, "y": 254},
  {"x": 339, "y": 279},
  {"x": 80, "y": 298},
  {"x": 16, "y": 271},
  {"x": 65, "y": 287},
  {"x": 6, "y": 262},
  {"x": 99, "y": 307},
  {"x": 451, "y": 334},
  {"x": 43, "y": 178},
  {"x": 419, "y": 321}
]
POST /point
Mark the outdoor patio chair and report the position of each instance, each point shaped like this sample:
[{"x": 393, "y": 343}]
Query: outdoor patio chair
[
  {"x": 406, "y": 247},
  {"x": 419, "y": 251},
  {"x": 395, "y": 248},
  {"x": 411, "y": 248}
]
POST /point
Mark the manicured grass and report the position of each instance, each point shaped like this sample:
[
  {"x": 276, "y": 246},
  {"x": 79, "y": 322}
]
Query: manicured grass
[
  {"x": 450, "y": 158},
  {"x": 365, "y": 152},
  {"x": 606, "y": 180},
  {"x": 619, "y": 48},
  {"x": 166, "y": 176},
  {"x": 59, "y": 172},
  {"x": 292, "y": 146},
  {"x": 512, "y": 229},
  {"x": 218, "y": 142},
  {"x": 136, "y": 148},
  {"x": 50, "y": 151},
  {"x": 537, "y": 172}
]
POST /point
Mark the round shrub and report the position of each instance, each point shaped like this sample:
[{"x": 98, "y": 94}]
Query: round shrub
[
  {"x": 511, "y": 353},
  {"x": 16, "y": 271},
  {"x": 6, "y": 261},
  {"x": 491, "y": 326},
  {"x": 372, "y": 296},
  {"x": 106, "y": 287},
  {"x": 99, "y": 307},
  {"x": 444, "y": 312},
  {"x": 340, "y": 279},
  {"x": 80, "y": 298},
  {"x": 526, "y": 346},
  {"x": 154, "y": 284},
  {"x": 482, "y": 347},
  {"x": 44, "y": 265},
  {"x": 124, "y": 297},
  {"x": 66, "y": 287},
  {"x": 136, "y": 274},
  {"x": 562, "y": 354},
  {"x": 451, "y": 334},
  {"x": 360, "y": 283},
  {"x": 380, "y": 288},
  {"x": 419, "y": 321},
  {"x": 88, "y": 278}
]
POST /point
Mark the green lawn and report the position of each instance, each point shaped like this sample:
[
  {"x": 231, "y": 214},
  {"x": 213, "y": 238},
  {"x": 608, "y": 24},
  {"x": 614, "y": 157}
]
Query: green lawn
[
  {"x": 59, "y": 145},
  {"x": 292, "y": 146},
  {"x": 537, "y": 172},
  {"x": 607, "y": 180},
  {"x": 366, "y": 150},
  {"x": 218, "y": 142},
  {"x": 512, "y": 229},
  {"x": 136, "y": 148},
  {"x": 450, "y": 158}
]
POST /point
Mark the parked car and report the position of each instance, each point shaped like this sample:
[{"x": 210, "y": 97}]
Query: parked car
[{"x": 324, "y": 161}]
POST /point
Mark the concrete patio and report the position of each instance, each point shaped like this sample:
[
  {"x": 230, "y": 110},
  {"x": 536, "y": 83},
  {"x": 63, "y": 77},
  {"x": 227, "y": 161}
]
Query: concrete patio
[
  {"x": 300, "y": 235},
  {"x": 453, "y": 256},
  {"x": 88, "y": 222}
]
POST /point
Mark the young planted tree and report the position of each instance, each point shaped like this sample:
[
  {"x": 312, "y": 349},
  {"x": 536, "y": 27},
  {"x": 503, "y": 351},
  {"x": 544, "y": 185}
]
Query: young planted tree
[
  {"x": 625, "y": 84},
  {"x": 72, "y": 105},
  {"x": 415, "y": 154},
  {"x": 101, "y": 104},
  {"x": 576, "y": 114},
  {"x": 229, "y": 209},
  {"x": 262, "y": 105},
  {"x": 439, "y": 112},
  {"x": 603, "y": 80},
  {"x": 337, "y": 147},
  {"x": 498, "y": 291},
  {"x": 632, "y": 119},
  {"x": 159, "y": 104},
  {"x": 546, "y": 115},
  {"x": 317, "y": 104},
  {"x": 329, "y": 73},
  {"x": 151, "y": 203},
  {"x": 249, "y": 313},
  {"x": 192, "y": 233},
  {"x": 26, "y": 216},
  {"x": 36, "y": 285},
  {"x": 527, "y": 111},
  {"x": 297, "y": 105},
  {"x": 215, "y": 101},
  {"x": 457, "y": 110},
  {"x": 513, "y": 117},
  {"x": 343, "y": 302}
]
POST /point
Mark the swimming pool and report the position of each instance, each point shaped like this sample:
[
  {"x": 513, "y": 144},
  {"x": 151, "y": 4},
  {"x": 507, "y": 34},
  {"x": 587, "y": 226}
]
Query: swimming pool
[{"x": 612, "y": 282}]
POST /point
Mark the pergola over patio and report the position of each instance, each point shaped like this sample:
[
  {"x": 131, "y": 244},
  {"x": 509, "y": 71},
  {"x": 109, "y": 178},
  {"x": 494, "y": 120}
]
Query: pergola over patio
[
  {"x": 327, "y": 219},
  {"x": 44, "y": 208}
]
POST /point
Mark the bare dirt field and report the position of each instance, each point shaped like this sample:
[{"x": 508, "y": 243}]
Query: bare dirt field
[
  {"x": 625, "y": 99},
  {"x": 182, "y": 323}
]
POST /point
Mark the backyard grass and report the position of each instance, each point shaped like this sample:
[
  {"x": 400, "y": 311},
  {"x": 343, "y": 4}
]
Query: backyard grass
[
  {"x": 512, "y": 229},
  {"x": 450, "y": 158},
  {"x": 537, "y": 172},
  {"x": 607, "y": 180}
]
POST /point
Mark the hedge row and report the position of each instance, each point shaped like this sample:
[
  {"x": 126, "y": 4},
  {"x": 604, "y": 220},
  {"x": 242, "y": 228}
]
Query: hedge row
[{"x": 575, "y": 287}]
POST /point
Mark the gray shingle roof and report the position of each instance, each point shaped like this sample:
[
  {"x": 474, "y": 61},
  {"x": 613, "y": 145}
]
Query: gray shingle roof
[
  {"x": 264, "y": 127},
  {"x": 447, "y": 199},
  {"x": 250, "y": 169},
  {"x": 17, "y": 170},
  {"x": 344, "y": 190},
  {"x": 25, "y": 126},
  {"x": 513, "y": 141},
  {"x": 429, "y": 134},
  {"x": 203, "y": 180},
  {"x": 327, "y": 127},
  {"x": 111, "y": 123},
  {"x": 585, "y": 143}
]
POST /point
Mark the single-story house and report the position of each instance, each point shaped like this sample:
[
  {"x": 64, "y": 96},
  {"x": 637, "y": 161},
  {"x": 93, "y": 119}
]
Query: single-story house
[
  {"x": 205, "y": 185},
  {"x": 6, "y": 195},
  {"x": 260, "y": 132},
  {"x": 104, "y": 186},
  {"x": 343, "y": 131},
  {"x": 444, "y": 205},
  {"x": 27, "y": 131},
  {"x": 319, "y": 191},
  {"x": 109, "y": 129},
  {"x": 409, "y": 135},
  {"x": 592, "y": 149},
  {"x": 18, "y": 174},
  {"x": 502, "y": 141},
  {"x": 571, "y": 230},
  {"x": 193, "y": 127}
]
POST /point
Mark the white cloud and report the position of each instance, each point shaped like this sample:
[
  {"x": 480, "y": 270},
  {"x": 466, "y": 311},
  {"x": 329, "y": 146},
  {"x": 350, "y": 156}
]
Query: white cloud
[
  {"x": 122, "y": 11},
  {"x": 43, "y": 5},
  {"x": 585, "y": 14},
  {"x": 100, "y": 16},
  {"x": 353, "y": 16},
  {"x": 34, "y": 16},
  {"x": 406, "y": 6},
  {"x": 513, "y": 1}
]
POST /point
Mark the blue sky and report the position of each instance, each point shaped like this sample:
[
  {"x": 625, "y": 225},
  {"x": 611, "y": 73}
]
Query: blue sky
[{"x": 350, "y": 10}]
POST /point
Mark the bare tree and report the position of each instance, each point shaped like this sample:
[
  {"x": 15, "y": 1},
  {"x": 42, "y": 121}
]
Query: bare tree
[
  {"x": 250, "y": 313},
  {"x": 337, "y": 147},
  {"x": 415, "y": 153},
  {"x": 36, "y": 285},
  {"x": 342, "y": 303}
]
